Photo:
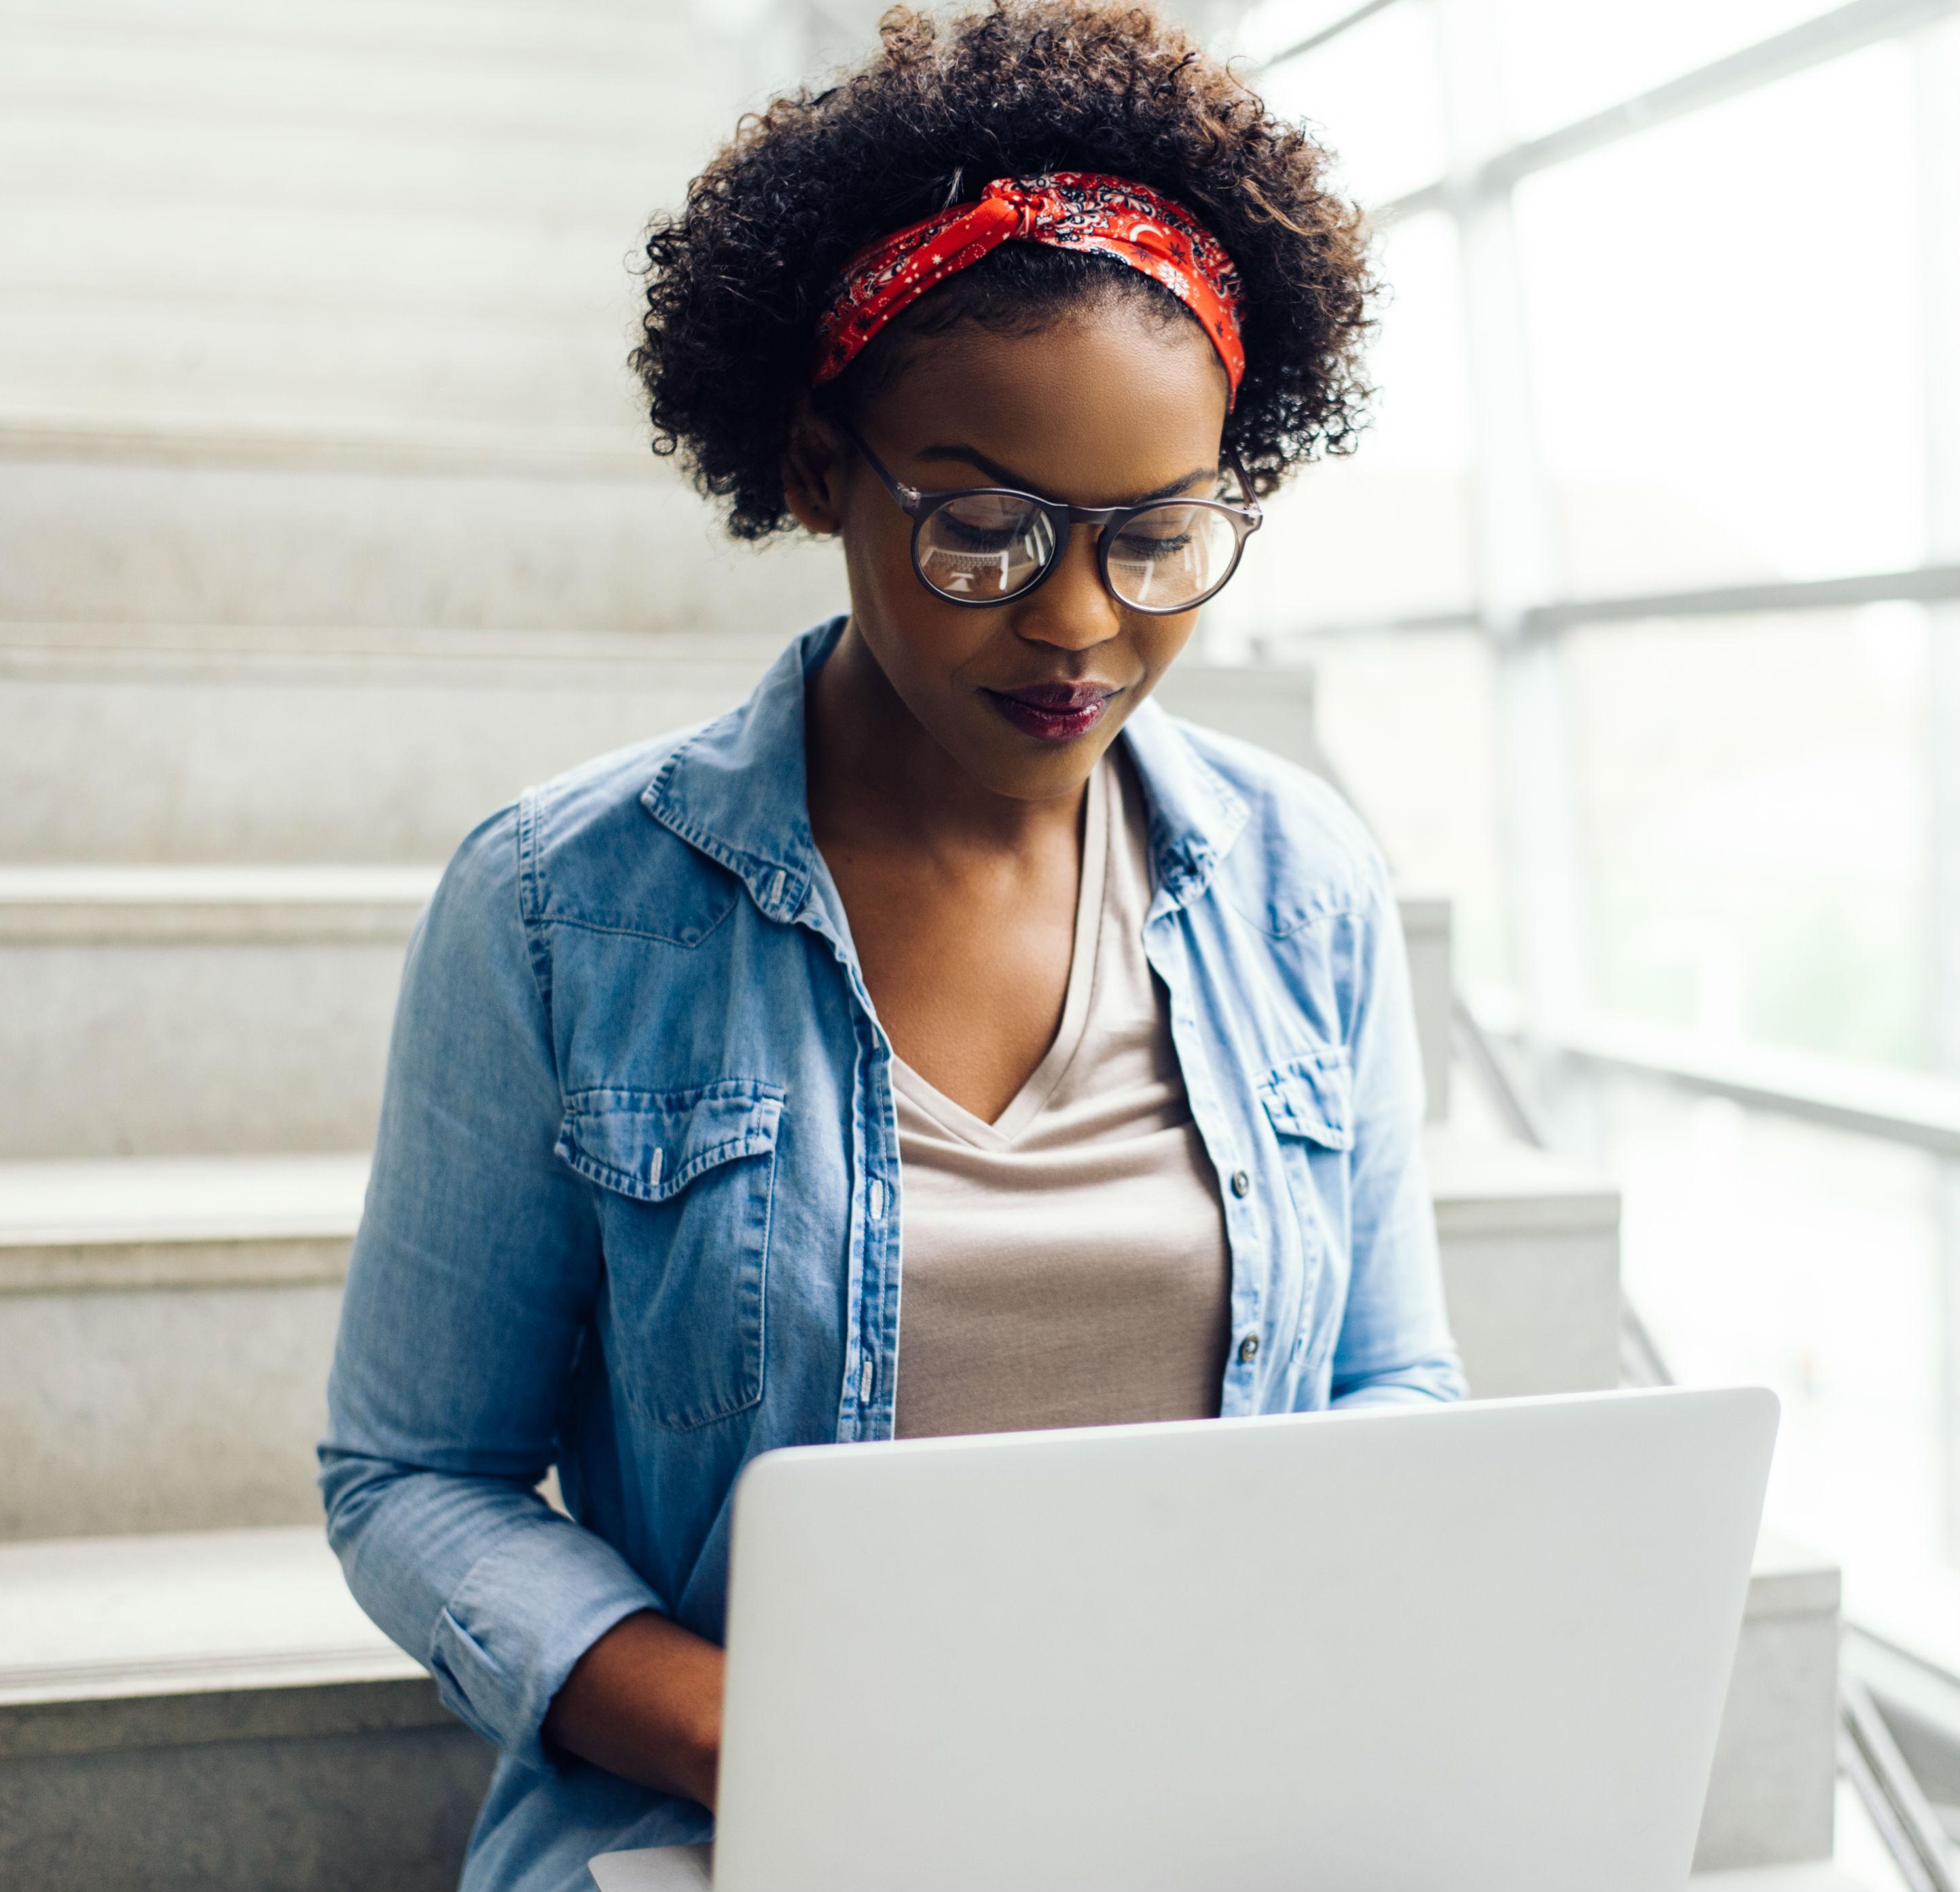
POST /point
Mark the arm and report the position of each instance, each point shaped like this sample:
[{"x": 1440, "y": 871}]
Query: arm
[
  {"x": 1395, "y": 1346},
  {"x": 468, "y": 1300}
]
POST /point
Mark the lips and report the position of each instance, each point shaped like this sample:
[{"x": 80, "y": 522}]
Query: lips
[{"x": 1054, "y": 712}]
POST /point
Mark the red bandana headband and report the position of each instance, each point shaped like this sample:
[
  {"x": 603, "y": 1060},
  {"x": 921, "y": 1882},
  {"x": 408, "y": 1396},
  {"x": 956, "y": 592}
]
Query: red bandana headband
[{"x": 1071, "y": 210}]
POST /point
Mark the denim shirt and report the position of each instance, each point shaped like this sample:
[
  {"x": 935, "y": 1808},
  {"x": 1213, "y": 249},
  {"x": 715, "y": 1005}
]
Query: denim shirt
[{"x": 636, "y": 1204}]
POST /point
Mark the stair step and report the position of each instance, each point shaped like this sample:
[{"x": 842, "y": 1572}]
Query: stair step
[
  {"x": 510, "y": 79},
  {"x": 1772, "y": 1790},
  {"x": 408, "y": 525},
  {"x": 171, "y": 1321},
  {"x": 202, "y": 1613},
  {"x": 1530, "y": 1245},
  {"x": 294, "y": 182},
  {"x": 180, "y": 1009},
  {"x": 304, "y": 162},
  {"x": 137, "y": 744},
  {"x": 167, "y": 1326},
  {"x": 98, "y": 902},
  {"x": 213, "y": 1710},
  {"x": 172, "y": 1027},
  {"x": 184, "y": 1222}
]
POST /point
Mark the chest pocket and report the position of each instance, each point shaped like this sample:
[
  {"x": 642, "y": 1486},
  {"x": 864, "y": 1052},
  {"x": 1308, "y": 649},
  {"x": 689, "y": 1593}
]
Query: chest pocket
[
  {"x": 1310, "y": 1102},
  {"x": 688, "y": 1182}
]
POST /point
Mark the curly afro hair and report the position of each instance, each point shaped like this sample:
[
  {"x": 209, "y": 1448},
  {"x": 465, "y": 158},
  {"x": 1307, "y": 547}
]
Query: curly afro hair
[{"x": 737, "y": 278}]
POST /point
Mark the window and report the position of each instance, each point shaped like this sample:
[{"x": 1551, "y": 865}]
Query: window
[{"x": 1637, "y": 620}]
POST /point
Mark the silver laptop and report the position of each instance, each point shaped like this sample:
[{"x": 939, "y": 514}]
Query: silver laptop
[{"x": 1472, "y": 1648}]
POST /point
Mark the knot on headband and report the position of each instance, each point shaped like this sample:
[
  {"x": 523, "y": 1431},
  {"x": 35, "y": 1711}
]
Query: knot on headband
[{"x": 1069, "y": 210}]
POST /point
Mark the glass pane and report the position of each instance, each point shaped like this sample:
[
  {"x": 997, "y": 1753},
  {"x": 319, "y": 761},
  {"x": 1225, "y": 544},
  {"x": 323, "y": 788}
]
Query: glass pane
[
  {"x": 1753, "y": 792},
  {"x": 1760, "y": 1249},
  {"x": 1372, "y": 94},
  {"x": 1385, "y": 531},
  {"x": 1562, "y": 62},
  {"x": 1725, "y": 330}
]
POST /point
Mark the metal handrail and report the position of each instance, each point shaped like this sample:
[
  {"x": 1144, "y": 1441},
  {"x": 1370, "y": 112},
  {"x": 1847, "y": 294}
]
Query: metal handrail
[
  {"x": 1919, "y": 584},
  {"x": 1322, "y": 35},
  {"x": 1473, "y": 1044},
  {"x": 1910, "y": 1828},
  {"x": 1912, "y": 1107},
  {"x": 1641, "y": 1362}
]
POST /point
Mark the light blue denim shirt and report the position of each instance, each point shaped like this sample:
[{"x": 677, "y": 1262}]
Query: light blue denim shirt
[{"x": 636, "y": 1204}]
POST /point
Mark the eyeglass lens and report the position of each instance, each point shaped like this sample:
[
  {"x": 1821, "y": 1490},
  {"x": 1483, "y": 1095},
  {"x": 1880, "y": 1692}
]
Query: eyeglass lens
[
  {"x": 984, "y": 546},
  {"x": 987, "y": 547},
  {"x": 1170, "y": 556}
]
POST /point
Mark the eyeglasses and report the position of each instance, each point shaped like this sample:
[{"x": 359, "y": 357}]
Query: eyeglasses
[{"x": 984, "y": 546}]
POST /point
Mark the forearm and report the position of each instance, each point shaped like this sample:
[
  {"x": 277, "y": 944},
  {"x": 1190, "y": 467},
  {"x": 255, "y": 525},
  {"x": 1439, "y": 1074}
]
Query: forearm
[
  {"x": 480, "y": 1581},
  {"x": 644, "y": 1702}
]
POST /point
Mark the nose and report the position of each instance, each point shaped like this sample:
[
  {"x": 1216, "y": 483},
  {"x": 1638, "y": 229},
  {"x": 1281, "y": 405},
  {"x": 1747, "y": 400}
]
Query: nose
[{"x": 1072, "y": 610}]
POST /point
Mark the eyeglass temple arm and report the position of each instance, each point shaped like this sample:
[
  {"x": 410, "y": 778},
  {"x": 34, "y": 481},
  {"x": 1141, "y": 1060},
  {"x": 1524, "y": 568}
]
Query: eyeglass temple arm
[
  {"x": 909, "y": 497},
  {"x": 1252, "y": 504}
]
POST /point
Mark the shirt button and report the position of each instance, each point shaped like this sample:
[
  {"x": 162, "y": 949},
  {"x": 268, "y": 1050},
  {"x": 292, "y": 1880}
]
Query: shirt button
[
  {"x": 1242, "y": 1183},
  {"x": 1249, "y": 1350}
]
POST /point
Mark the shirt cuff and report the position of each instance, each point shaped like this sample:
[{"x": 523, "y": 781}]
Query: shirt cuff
[{"x": 518, "y": 1622}]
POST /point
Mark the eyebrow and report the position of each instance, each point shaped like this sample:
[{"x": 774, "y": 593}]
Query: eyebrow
[{"x": 1005, "y": 476}]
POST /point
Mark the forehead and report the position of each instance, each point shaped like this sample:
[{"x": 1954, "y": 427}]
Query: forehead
[{"x": 1093, "y": 407}]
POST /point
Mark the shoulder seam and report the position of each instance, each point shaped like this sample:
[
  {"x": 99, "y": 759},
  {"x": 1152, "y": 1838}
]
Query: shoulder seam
[{"x": 530, "y": 903}]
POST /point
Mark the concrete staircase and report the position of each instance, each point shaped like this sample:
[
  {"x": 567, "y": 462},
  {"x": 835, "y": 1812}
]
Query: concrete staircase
[
  {"x": 327, "y": 523},
  {"x": 228, "y": 836}
]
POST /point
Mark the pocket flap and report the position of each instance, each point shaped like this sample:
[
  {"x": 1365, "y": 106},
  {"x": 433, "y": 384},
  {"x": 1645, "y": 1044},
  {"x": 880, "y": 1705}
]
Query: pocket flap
[
  {"x": 650, "y": 1145},
  {"x": 1312, "y": 1097}
]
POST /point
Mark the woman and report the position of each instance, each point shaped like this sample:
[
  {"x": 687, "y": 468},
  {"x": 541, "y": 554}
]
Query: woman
[{"x": 948, "y": 944}]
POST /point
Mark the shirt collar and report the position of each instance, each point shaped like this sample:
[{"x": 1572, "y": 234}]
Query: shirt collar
[
  {"x": 1195, "y": 814},
  {"x": 737, "y": 790}
]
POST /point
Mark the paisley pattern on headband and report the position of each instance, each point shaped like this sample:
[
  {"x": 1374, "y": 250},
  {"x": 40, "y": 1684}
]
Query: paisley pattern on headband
[{"x": 1071, "y": 210}]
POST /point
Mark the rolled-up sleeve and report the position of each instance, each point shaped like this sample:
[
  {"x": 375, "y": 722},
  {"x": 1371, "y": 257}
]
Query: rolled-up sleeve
[
  {"x": 468, "y": 1297},
  {"x": 1395, "y": 1346}
]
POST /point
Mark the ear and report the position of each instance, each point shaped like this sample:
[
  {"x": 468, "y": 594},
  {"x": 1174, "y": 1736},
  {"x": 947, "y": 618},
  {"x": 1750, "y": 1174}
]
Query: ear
[{"x": 816, "y": 469}]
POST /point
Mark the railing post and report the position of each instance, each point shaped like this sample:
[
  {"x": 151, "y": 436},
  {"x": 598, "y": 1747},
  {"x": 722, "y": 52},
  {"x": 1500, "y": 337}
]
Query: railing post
[
  {"x": 1937, "y": 63},
  {"x": 1518, "y": 569}
]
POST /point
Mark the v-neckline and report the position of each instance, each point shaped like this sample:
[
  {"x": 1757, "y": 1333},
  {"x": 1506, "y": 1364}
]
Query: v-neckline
[{"x": 1028, "y": 1103}]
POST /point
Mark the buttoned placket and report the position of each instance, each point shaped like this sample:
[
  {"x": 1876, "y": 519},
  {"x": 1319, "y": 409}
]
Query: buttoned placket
[
  {"x": 1166, "y": 947},
  {"x": 865, "y": 1407},
  {"x": 876, "y": 1317}
]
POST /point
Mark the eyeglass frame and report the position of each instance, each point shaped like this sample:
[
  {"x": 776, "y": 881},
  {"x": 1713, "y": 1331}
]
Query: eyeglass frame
[{"x": 919, "y": 506}]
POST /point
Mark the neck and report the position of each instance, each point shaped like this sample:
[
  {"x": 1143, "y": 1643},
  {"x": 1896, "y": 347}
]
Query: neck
[{"x": 877, "y": 778}]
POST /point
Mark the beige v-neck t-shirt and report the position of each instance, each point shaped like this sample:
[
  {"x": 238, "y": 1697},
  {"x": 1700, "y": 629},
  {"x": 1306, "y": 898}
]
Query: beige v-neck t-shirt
[{"x": 1066, "y": 1264}]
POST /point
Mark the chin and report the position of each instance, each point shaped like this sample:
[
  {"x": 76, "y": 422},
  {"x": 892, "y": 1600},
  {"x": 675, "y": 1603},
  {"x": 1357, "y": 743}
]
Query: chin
[{"x": 1008, "y": 769}]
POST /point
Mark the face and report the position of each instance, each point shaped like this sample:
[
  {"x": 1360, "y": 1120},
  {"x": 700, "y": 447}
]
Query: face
[{"x": 1103, "y": 409}]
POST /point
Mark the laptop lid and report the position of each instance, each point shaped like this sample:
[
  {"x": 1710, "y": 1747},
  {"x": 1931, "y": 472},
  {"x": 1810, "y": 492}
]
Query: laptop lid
[{"x": 1480, "y": 1648}]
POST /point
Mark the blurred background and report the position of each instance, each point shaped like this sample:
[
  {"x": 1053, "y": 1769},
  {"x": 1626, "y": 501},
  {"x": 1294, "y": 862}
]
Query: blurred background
[
  {"x": 327, "y": 522},
  {"x": 1634, "y": 626}
]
